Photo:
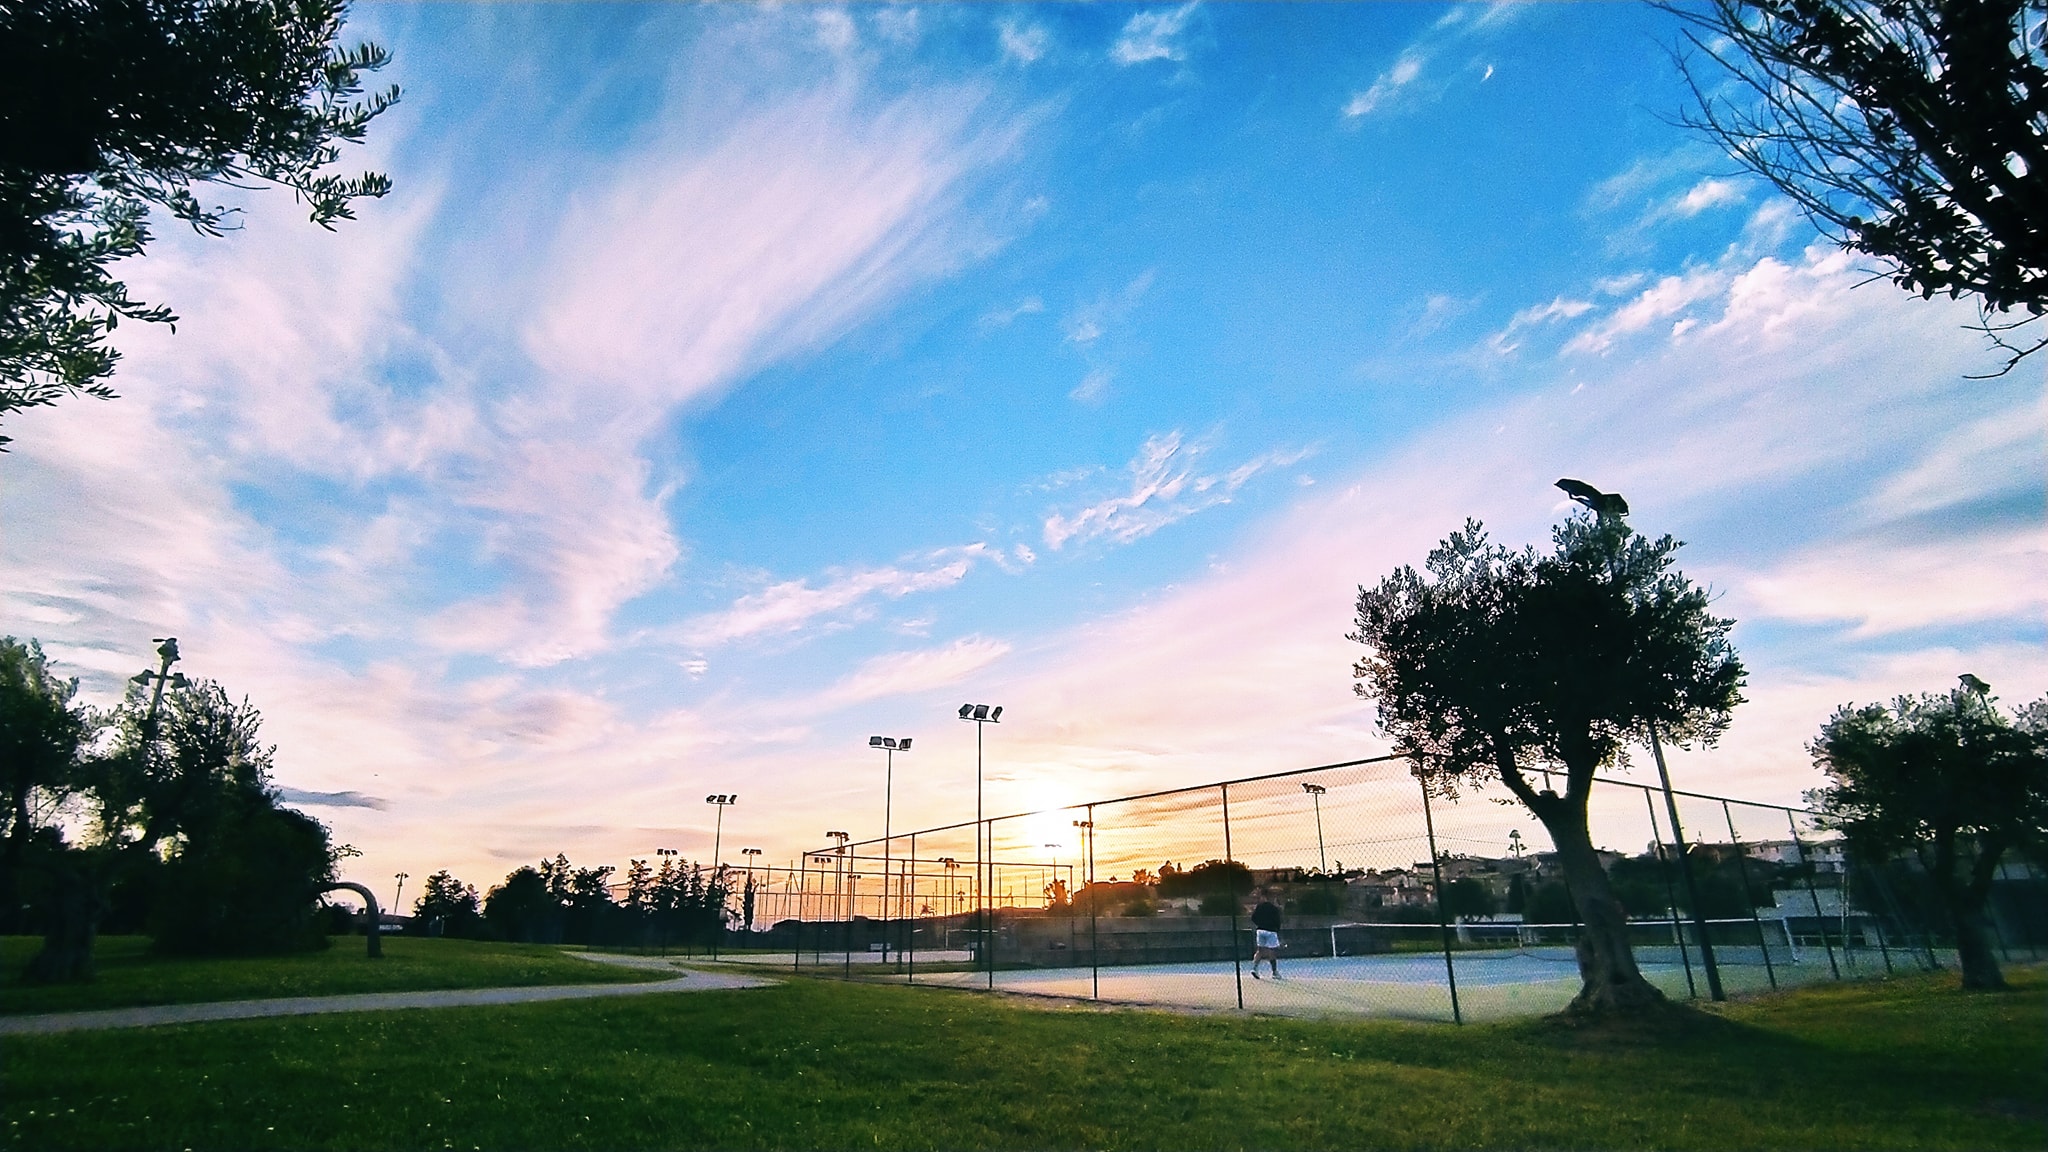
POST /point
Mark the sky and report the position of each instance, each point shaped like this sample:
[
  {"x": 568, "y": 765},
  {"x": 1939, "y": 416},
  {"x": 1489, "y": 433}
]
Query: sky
[{"x": 722, "y": 385}]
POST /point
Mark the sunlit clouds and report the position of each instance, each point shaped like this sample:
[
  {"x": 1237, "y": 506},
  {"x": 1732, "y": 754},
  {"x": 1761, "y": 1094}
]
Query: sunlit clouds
[{"x": 721, "y": 385}]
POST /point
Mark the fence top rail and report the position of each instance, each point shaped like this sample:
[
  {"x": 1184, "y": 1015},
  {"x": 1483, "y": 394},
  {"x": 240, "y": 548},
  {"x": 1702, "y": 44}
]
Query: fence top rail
[{"x": 831, "y": 849}]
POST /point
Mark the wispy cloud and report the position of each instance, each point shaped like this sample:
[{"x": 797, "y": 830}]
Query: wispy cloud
[
  {"x": 1023, "y": 43},
  {"x": 1560, "y": 308},
  {"x": 1390, "y": 83},
  {"x": 1088, "y": 323},
  {"x": 1408, "y": 79},
  {"x": 1166, "y": 486},
  {"x": 1004, "y": 317},
  {"x": 792, "y": 604},
  {"x": 1152, "y": 35},
  {"x": 907, "y": 673},
  {"x": 331, "y": 799}
]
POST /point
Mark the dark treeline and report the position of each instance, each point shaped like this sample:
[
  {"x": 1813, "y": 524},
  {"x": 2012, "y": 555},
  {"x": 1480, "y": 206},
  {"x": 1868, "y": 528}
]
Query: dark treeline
[
  {"x": 556, "y": 902},
  {"x": 155, "y": 816}
]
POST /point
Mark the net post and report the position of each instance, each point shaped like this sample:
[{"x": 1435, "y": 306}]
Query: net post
[
  {"x": 1437, "y": 874},
  {"x": 1812, "y": 893},
  {"x": 1749, "y": 897},
  {"x": 1236, "y": 958}
]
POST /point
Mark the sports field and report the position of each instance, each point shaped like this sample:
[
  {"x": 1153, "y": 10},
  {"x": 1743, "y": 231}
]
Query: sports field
[{"x": 1492, "y": 983}]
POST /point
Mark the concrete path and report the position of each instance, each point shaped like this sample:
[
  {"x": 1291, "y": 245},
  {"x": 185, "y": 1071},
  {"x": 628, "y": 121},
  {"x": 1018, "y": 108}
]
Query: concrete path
[{"x": 684, "y": 981}]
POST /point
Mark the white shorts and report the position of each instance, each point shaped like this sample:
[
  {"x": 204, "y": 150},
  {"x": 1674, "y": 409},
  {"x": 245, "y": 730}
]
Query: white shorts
[{"x": 1265, "y": 939}]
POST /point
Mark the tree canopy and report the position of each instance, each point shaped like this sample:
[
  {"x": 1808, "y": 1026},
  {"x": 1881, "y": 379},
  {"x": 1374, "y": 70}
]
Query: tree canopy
[
  {"x": 113, "y": 109},
  {"x": 1950, "y": 778},
  {"x": 1493, "y": 664},
  {"x": 1914, "y": 131}
]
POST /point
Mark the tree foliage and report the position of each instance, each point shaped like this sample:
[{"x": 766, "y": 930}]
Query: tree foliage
[
  {"x": 46, "y": 750},
  {"x": 1949, "y": 778},
  {"x": 113, "y": 109},
  {"x": 1915, "y": 131},
  {"x": 1493, "y": 663}
]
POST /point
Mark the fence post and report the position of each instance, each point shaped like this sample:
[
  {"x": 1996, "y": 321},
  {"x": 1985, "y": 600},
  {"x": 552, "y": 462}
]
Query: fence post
[
  {"x": 1236, "y": 957},
  {"x": 1749, "y": 897},
  {"x": 911, "y": 909},
  {"x": 1692, "y": 891},
  {"x": 796, "y": 958},
  {"x": 1876, "y": 921},
  {"x": 1812, "y": 893},
  {"x": 1094, "y": 898},
  {"x": 1436, "y": 871},
  {"x": 1692, "y": 990}
]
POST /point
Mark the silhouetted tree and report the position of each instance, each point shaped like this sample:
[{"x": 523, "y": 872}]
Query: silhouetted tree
[
  {"x": 46, "y": 738},
  {"x": 1468, "y": 897},
  {"x": 1498, "y": 662},
  {"x": 1950, "y": 778},
  {"x": 110, "y": 108},
  {"x": 522, "y": 910},
  {"x": 1915, "y": 131},
  {"x": 451, "y": 904}
]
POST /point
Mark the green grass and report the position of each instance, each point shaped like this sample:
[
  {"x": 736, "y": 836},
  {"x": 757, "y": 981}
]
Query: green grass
[
  {"x": 819, "y": 1064},
  {"x": 130, "y": 976}
]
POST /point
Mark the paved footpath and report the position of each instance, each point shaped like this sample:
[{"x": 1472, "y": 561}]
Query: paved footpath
[{"x": 684, "y": 981}]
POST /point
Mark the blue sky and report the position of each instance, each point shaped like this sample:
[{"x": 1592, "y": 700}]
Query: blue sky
[{"x": 722, "y": 384}]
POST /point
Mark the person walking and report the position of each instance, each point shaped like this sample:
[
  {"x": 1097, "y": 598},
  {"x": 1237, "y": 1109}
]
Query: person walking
[{"x": 1266, "y": 936}]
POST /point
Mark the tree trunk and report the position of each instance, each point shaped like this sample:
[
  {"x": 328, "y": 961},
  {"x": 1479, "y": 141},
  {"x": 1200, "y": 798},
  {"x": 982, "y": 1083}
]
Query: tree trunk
[
  {"x": 1973, "y": 950},
  {"x": 74, "y": 920},
  {"x": 1611, "y": 984}
]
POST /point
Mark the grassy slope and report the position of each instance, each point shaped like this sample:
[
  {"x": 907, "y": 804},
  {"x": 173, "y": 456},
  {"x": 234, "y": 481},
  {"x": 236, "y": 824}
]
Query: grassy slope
[
  {"x": 129, "y": 976},
  {"x": 1909, "y": 1064}
]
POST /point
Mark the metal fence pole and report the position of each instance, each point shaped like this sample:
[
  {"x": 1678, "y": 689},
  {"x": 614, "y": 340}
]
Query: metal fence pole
[
  {"x": 796, "y": 958},
  {"x": 1749, "y": 897},
  {"x": 1094, "y": 898},
  {"x": 1236, "y": 957},
  {"x": 1692, "y": 990},
  {"x": 1692, "y": 890},
  {"x": 1443, "y": 925},
  {"x": 1813, "y": 893},
  {"x": 911, "y": 935}
]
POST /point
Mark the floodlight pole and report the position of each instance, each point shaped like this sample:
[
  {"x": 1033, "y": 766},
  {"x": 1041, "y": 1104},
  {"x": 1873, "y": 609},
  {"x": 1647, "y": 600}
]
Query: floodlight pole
[
  {"x": 889, "y": 745},
  {"x": 747, "y": 910},
  {"x": 1692, "y": 890},
  {"x": 982, "y": 715},
  {"x": 1315, "y": 792}
]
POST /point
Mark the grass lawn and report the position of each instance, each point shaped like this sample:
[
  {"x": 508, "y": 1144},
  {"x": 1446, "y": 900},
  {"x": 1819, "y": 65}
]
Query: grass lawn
[
  {"x": 818, "y": 1064},
  {"x": 130, "y": 976}
]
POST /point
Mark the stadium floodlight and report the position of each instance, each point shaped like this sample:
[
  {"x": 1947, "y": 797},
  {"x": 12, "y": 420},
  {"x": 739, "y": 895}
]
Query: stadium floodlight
[
  {"x": 982, "y": 715},
  {"x": 890, "y": 746},
  {"x": 723, "y": 800},
  {"x": 1316, "y": 791}
]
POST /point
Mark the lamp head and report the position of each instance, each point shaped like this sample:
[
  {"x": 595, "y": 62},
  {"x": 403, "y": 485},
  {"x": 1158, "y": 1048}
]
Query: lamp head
[
  {"x": 997, "y": 715},
  {"x": 981, "y": 711},
  {"x": 903, "y": 745},
  {"x": 875, "y": 742},
  {"x": 967, "y": 711}
]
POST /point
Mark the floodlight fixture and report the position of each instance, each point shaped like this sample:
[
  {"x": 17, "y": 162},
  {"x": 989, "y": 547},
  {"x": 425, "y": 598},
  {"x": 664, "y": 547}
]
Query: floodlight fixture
[
  {"x": 1314, "y": 789},
  {"x": 967, "y": 711},
  {"x": 875, "y": 742}
]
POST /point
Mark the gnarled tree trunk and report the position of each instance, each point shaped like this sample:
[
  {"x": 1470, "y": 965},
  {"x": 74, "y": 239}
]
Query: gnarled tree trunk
[
  {"x": 73, "y": 924},
  {"x": 1611, "y": 984}
]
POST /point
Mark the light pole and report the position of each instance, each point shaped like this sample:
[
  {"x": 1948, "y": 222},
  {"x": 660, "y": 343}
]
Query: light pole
[
  {"x": 890, "y": 746},
  {"x": 1610, "y": 506},
  {"x": 1316, "y": 791},
  {"x": 398, "y": 894},
  {"x": 723, "y": 800},
  {"x": 982, "y": 715},
  {"x": 747, "y": 898},
  {"x": 1055, "y": 869},
  {"x": 167, "y": 650}
]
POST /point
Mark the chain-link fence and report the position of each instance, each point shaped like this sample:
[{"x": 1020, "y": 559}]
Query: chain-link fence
[{"x": 1391, "y": 902}]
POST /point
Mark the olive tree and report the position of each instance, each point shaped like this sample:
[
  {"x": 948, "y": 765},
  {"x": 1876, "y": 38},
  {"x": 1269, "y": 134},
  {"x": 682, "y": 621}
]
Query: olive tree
[
  {"x": 1493, "y": 664},
  {"x": 1951, "y": 779},
  {"x": 113, "y": 110},
  {"x": 1913, "y": 131}
]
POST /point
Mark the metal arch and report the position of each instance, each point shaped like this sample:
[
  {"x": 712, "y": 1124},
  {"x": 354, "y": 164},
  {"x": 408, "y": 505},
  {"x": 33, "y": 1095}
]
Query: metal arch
[{"x": 370, "y": 900}]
